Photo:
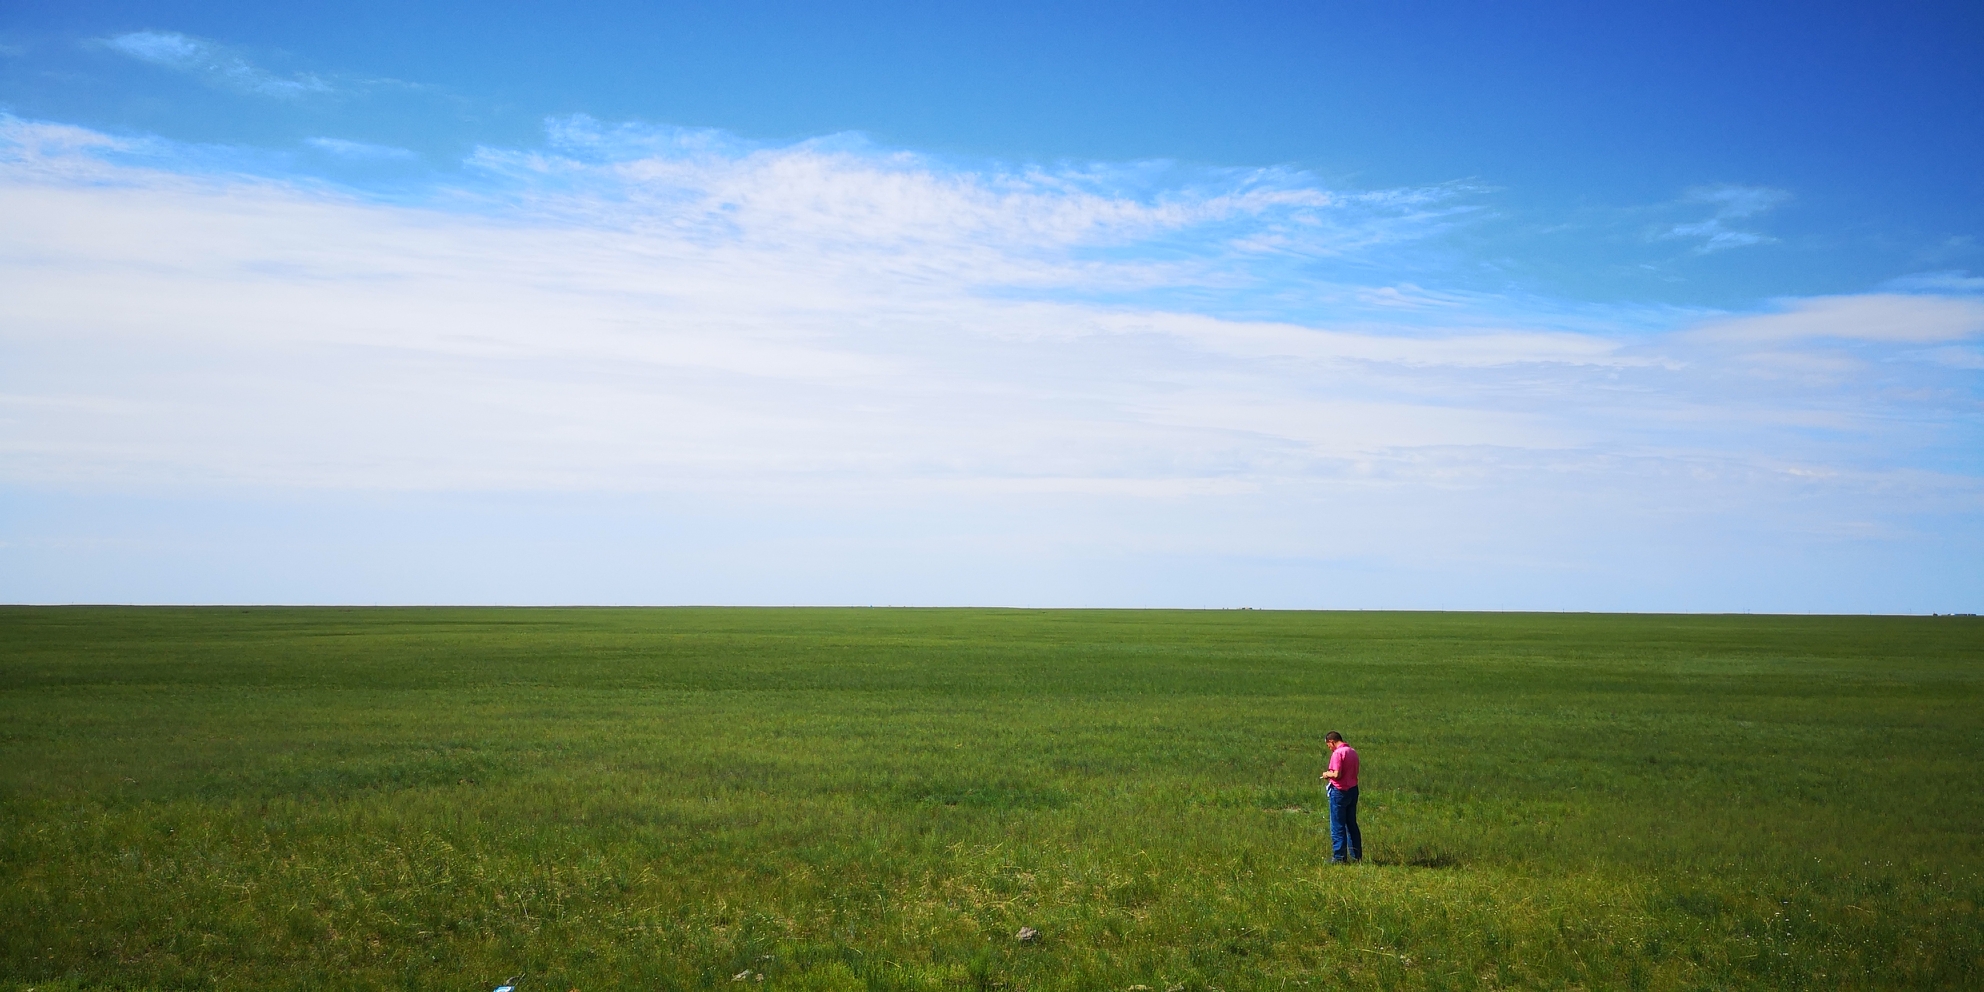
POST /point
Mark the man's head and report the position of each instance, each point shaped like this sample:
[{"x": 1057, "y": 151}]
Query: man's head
[{"x": 1333, "y": 739}]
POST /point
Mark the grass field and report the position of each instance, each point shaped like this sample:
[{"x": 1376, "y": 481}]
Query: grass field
[{"x": 848, "y": 799}]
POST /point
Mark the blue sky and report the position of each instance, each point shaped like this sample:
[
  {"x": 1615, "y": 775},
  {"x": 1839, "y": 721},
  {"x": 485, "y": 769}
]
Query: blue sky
[{"x": 1285, "y": 305}]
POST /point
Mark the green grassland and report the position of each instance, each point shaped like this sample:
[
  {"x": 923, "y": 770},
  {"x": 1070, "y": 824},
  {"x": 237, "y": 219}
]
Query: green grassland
[{"x": 880, "y": 799}]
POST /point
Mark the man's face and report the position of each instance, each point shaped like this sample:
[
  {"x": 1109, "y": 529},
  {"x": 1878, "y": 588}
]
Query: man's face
[{"x": 1334, "y": 744}]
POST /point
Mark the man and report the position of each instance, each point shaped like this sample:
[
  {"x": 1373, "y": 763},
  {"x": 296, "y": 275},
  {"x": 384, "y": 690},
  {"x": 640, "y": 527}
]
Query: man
[{"x": 1346, "y": 841}]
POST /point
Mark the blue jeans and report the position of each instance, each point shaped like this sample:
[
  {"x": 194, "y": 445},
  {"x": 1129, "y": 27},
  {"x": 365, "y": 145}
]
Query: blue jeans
[{"x": 1346, "y": 841}]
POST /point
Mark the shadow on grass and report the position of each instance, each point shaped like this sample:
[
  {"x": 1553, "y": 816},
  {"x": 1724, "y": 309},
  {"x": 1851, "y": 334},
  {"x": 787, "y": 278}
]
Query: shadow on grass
[{"x": 1421, "y": 858}]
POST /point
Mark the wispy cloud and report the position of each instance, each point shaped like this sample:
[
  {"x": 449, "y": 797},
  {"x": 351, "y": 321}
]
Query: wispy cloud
[
  {"x": 1729, "y": 204},
  {"x": 1950, "y": 281},
  {"x": 360, "y": 151},
  {"x": 1216, "y": 360},
  {"x": 1878, "y": 317},
  {"x": 841, "y": 190},
  {"x": 1956, "y": 358},
  {"x": 214, "y": 64}
]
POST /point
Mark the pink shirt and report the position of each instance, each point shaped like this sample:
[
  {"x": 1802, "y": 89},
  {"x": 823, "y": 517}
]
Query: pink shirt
[{"x": 1343, "y": 761}]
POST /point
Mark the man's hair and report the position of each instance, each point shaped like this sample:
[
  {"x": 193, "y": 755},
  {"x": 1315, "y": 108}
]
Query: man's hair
[{"x": 1332, "y": 736}]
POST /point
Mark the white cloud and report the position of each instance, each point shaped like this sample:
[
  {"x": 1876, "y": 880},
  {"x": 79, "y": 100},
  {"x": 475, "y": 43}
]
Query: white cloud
[
  {"x": 1956, "y": 358},
  {"x": 652, "y": 322},
  {"x": 1938, "y": 282},
  {"x": 360, "y": 151},
  {"x": 938, "y": 222},
  {"x": 213, "y": 63},
  {"x": 1738, "y": 201},
  {"x": 1879, "y": 317},
  {"x": 1729, "y": 203},
  {"x": 838, "y": 328},
  {"x": 54, "y": 150}
]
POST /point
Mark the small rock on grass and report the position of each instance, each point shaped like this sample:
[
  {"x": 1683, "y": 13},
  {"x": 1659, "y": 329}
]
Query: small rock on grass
[{"x": 1029, "y": 935}]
